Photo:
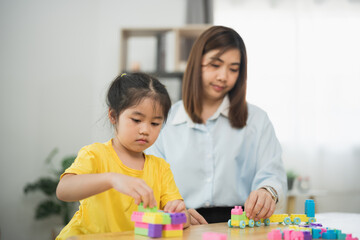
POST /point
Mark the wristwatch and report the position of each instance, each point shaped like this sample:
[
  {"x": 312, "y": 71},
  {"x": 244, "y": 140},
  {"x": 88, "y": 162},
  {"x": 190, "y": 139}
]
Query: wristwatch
[{"x": 273, "y": 193}]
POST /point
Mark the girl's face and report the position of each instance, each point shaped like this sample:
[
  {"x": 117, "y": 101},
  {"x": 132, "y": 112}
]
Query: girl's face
[
  {"x": 219, "y": 74},
  {"x": 138, "y": 127}
]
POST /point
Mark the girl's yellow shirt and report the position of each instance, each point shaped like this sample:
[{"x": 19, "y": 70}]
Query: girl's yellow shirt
[{"x": 111, "y": 211}]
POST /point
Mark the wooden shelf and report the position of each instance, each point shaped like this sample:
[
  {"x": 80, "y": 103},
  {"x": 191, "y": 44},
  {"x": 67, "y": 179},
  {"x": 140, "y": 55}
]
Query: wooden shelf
[{"x": 180, "y": 45}]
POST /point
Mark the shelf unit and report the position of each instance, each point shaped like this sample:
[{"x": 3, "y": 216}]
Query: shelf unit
[
  {"x": 181, "y": 43},
  {"x": 171, "y": 46}
]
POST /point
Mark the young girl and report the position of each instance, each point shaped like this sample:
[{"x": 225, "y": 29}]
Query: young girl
[{"x": 110, "y": 179}]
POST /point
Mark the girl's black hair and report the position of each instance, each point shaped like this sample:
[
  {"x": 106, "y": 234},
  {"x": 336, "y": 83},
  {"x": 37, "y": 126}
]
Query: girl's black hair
[{"x": 128, "y": 90}]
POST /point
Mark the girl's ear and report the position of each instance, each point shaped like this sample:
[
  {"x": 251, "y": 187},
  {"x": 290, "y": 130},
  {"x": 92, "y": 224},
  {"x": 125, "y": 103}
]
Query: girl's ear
[{"x": 112, "y": 116}]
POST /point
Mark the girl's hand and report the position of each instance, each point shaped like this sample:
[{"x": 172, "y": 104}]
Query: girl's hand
[
  {"x": 259, "y": 205},
  {"x": 175, "y": 206},
  {"x": 178, "y": 206},
  {"x": 133, "y": 187}
]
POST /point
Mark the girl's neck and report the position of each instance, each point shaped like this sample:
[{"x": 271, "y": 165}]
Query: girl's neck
[
  {"x": 209, "y": 107},
  {"x": 134, "y": 160}
]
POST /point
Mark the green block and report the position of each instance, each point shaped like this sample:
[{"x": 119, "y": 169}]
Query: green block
[
  {"x": 166, "y": 218},
  {"x": 235, "y": 217},
  {"x": 141, "y": 231},
  {"x": 142, "y": 209}
]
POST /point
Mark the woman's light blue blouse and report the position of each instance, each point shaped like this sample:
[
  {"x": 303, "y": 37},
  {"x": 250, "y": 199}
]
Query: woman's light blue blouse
[{"x": 217, "y": 165}]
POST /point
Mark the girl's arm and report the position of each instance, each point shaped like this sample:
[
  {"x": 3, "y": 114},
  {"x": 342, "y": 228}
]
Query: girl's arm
[{"x": 74, "y": 187}]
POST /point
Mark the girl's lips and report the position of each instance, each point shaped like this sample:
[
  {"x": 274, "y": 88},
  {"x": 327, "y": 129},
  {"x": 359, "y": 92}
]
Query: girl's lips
[{"x": 142, "y": 141}]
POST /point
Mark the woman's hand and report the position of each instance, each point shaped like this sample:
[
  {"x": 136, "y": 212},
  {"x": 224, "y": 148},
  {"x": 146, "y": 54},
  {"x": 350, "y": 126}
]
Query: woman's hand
[
  {"x": 196, "y": 218},
  {"x": 133, "y": 187},
  {"x": 259, "y": 205}
]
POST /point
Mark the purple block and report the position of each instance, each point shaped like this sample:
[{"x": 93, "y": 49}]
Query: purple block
[
  {"x": 155, "y": 230},
  {"x": 315, "y": 224},
  {"x": 307, "y": 236},
  {"x": 177, "y": 218}
]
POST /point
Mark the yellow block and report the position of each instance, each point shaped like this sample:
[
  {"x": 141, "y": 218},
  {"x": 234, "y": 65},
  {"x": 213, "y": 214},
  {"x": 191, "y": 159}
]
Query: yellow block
[
  {"x": 302, "y": 217},
  {"x": 278, "y": 218},
  {"x": 153, "y": 218},
  {"x": 235, "y": 223},
  {"x": 172, "y": 233}
]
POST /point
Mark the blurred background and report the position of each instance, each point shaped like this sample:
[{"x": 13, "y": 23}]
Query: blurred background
[{"x": 57, "y": 59}]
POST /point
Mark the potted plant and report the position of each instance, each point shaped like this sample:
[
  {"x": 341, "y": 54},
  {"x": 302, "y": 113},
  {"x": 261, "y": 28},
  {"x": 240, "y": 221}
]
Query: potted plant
[
  {"x": 51, "y": 205},
  {"x": 291, "y": 176}
]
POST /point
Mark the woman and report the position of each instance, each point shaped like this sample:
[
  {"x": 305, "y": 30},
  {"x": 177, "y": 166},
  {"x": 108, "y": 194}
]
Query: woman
[{"x": 222, "y": 150}]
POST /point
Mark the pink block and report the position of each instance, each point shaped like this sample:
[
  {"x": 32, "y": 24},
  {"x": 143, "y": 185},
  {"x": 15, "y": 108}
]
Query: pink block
[
  {"x": 137, "y": 216},
  {"x": 275, "y": 234},
  {"x": 322, "y": 231},
  {"x": 297, "y": 235},
  {"x": 349, "y": 237},
  {"x": 287, "y": 234},
  {"x": 237, "y": 210},
  {"x": 173, "y": 227},
  {"x": 214, "y": 236},
  {"x": 141, "y": 225}
]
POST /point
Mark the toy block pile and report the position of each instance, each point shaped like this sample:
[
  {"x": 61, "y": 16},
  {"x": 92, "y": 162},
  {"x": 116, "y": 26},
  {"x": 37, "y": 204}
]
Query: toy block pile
[
  {"x": 153, "y": 223},
  {"x": 308, "y": 232}
]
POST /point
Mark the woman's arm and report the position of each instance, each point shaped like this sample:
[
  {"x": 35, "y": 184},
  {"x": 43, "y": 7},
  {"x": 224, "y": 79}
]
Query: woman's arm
[{"x": 74, "y": 187}]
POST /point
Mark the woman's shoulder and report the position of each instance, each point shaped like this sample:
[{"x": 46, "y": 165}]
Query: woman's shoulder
[{"x": 256, "y": 114}]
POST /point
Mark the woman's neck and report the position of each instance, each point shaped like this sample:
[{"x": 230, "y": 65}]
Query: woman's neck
[{"x": 209, "y": 108}]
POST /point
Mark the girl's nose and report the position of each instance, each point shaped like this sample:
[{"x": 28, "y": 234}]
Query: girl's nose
[{"x": 144, "y": 129}]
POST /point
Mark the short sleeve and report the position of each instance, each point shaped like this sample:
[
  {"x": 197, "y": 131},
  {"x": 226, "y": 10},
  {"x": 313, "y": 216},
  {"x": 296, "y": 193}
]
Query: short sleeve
[
  {"x": 85, "y": 163},
  {"x": 169, "y": 190}
]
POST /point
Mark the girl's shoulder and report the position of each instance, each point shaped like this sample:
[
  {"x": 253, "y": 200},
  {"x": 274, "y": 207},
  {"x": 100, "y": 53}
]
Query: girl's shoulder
[
  {"x": 96, "y": 147},
  {"x": 156, "y": 161}
]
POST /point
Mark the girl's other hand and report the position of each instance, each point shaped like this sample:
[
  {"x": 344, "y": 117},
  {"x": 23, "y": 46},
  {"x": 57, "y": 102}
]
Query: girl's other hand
[
  {"x": 175, "y": 206},
  {"x": 133, "y": 187},
  {"x": 178, "y": 206},
  {"x": 259, "y": 205}
]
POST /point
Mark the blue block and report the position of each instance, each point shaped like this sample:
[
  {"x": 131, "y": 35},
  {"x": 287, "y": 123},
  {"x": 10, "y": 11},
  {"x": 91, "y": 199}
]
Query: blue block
[
  {"x": 310, "y": 208},
  {"x": 316, "y": 233},
  {"x": 329, "y": 234}
]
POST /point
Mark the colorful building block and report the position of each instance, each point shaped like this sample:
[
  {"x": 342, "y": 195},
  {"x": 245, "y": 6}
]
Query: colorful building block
[
  {"x": 154, "y": 223},
  {"x": 275, "y": 234},
  {"x": 237, "y": 210},
  {"x": 310, "y": 208},
  {"x": 155, "y": 230}
]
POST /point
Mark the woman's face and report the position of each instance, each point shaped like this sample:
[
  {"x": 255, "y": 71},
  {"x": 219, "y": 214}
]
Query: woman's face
[{"x": 219, "y": 74}]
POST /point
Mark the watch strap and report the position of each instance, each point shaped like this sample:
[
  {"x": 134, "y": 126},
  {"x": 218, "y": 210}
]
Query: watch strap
[{"x": 273, "y": 193}]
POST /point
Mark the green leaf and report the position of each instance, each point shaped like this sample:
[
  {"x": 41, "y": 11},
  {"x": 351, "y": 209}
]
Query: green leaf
[
  {"x": 67, "y": 161},
  {"x": 46, "y": 185},
  {"x": 47, "y": 208}
]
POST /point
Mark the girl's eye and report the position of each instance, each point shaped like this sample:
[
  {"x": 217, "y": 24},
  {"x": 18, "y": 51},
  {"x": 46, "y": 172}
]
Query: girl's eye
[
  {"x": 155, "y": 124},
  {"x": 234, "y": 70},
  {"x": 135, "y": 120}
]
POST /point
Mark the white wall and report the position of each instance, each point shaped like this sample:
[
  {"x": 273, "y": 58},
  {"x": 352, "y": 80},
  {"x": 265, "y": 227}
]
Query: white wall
[
  {"x": 57, "y": 59},
  {"x": 303, "y": 69}
]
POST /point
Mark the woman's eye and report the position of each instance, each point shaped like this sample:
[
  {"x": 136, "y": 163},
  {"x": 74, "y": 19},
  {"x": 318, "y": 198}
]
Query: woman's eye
[
  {"x": 215, "y": 65},
  {"x": 135, "y": 120},
  {"x": 234, "y": 70}
]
